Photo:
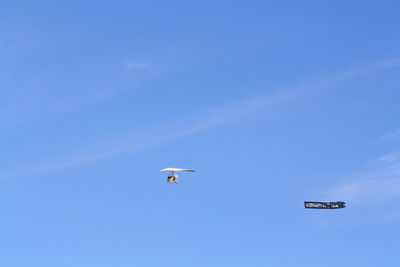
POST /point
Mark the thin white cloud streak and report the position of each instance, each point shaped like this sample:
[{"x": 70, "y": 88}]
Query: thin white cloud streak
[
  {"x": 149, "y": 138},
  {"x": 352, "y": 72},
  {"x": 391, "y": 136},
  {"x": 25, "y": 107},
  {"x": 130, "y": 65},
  {"x": 380, "y": 181},
  {"x": 132, "y": 141}
]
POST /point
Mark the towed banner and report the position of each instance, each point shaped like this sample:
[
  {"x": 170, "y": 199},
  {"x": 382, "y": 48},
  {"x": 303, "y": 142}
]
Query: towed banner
[{"x": 324, "y": 205}]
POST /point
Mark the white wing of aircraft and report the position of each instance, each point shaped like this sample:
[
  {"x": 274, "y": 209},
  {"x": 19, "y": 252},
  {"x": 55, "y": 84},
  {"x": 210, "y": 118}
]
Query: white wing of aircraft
[{"x": 176, "y": 170}]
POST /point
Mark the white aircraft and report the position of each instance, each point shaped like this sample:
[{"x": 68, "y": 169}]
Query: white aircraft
[{"x": 172, "y": 177}]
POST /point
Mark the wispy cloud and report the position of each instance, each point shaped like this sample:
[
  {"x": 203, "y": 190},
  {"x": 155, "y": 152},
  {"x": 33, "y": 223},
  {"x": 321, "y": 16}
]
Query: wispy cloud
[
  {"x": 390, "y": 136},
  {"x": 132, "y": 141},
  {"x": 368, "y": 192},
  {"x": 379, "y": 181},
  {"x": 130, "y": 65},
  {"x": 26, "y": 106},
  {"x": 137, "y": 140},
  {"x": 355, "y": 71}
]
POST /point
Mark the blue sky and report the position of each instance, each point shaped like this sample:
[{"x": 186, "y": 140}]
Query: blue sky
[{"x": 272, "y": 102}]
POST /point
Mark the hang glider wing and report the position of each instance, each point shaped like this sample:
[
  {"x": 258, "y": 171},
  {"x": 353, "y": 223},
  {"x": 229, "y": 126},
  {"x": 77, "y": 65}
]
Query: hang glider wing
[{"x": 176, "y": 170}]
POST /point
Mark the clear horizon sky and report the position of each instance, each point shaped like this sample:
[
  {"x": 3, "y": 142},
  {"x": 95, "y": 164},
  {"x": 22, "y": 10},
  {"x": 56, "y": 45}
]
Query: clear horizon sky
[{"x": 271, "y": 102}]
